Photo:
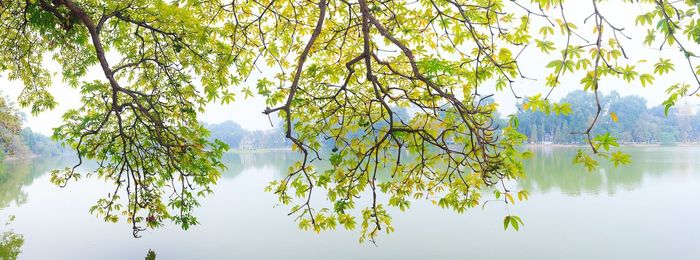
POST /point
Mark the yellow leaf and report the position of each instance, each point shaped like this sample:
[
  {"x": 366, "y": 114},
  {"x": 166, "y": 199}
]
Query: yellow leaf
[
  {"x": 613, "y": 116},
  {"x": 510, "y": 198}
]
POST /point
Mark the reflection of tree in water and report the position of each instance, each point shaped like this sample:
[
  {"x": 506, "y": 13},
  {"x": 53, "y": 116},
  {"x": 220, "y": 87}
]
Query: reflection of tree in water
[
  {"x": 278, "y": 160},
  {"x": 10, "y": 244},
  {"x": 14, "y": 175},
  {"x": 19, "y": 173},
  {"x": 552, "y": 168}
]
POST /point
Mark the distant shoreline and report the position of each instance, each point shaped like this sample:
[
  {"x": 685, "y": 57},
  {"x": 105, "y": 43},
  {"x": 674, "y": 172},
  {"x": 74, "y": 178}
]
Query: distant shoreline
[
  {"x": 264, "y": 150},
  {"x": 27, "y": 157},
  {"x": 22, "y": 157},
  {"x": 621, "y": 145},
  {"x": 259, "y": 150}
]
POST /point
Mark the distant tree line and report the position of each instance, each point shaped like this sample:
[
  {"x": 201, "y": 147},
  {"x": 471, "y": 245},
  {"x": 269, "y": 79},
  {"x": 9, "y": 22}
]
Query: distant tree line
[
  {"x": 635, "y": 123},
  {"x": 28, "y": 143},
  {"x": 239, "y": 138},
  {"x": 19, "y": 142},
  {"x": 627, "y": 118},
  {"x": 39, "y": 144}
]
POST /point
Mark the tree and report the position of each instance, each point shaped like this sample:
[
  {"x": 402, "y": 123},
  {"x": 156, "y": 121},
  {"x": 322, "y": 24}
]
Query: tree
[
  {"x": 229, "y": 132},
  {"x": 534, "y": 133},
  {"x": 10, "y": 125},
  {"x": 336, "y": 70},
  {"x": 39, "y": 144},
  {"x": 10, "y": 243},
  {"x": 151, "y": 255},
  {"x": 140, "y": 122}
]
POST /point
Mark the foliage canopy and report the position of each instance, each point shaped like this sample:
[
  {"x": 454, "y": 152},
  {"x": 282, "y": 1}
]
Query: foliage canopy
[
  {"x": 10, "y": 124},
  {"x": 334, "y": 70}
]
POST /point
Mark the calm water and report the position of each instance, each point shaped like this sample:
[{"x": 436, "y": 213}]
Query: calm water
[{"x": 649, "y": 210}]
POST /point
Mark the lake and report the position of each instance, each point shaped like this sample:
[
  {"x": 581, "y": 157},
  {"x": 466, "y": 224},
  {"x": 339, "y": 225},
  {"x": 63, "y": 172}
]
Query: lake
[{"x": 647, "y": 210}]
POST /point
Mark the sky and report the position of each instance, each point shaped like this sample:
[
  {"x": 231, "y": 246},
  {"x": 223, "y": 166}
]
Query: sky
[{"x": 248, "y": 112}]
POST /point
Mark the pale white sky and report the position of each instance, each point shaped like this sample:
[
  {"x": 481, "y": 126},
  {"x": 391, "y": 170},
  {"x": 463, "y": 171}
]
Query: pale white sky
[{"x": 248, "y": 112}]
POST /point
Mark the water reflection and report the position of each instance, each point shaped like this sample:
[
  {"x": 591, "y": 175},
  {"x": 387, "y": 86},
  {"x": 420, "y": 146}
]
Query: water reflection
[
  {"x": 240, "y": 220},
  {"x": 552, "y": 169},
  {"x": 16, "y": 174},
  {"x": 280, "y": 160}
]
